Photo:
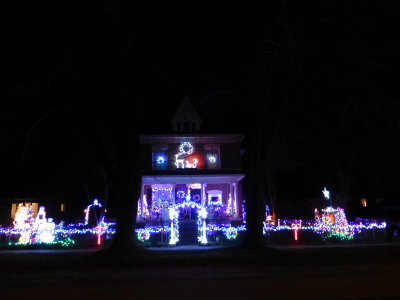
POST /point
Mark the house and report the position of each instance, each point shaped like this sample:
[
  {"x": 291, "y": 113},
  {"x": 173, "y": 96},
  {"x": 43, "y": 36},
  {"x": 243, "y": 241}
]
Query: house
[
  {"x": 191, "y": 180},
  {"x": 10, "y": 207}
]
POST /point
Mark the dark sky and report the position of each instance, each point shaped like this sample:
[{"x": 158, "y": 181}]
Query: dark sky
[{"x": 328, "y": 73}]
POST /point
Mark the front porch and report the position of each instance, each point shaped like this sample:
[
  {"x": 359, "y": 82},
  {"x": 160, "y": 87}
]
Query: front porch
[{"x": 183, "y": 209}]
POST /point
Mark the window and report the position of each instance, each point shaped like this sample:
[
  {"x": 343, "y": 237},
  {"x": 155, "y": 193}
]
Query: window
[
  {"x": 160, "y": 157},
  {"x": 62, "y": 207},
  {"x": 364, "y": 202},
  {"x": 214, "y": 198},
  {"x": 212, "y": 156}
]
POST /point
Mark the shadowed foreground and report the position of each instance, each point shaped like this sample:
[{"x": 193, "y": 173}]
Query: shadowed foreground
[{"x": 363, "y": 272}]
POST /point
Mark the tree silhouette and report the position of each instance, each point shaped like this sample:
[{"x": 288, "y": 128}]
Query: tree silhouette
[{"x": 309, "y": 72}]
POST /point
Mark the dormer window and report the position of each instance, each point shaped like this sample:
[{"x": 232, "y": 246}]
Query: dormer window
[{"x": 186, "y": 118}]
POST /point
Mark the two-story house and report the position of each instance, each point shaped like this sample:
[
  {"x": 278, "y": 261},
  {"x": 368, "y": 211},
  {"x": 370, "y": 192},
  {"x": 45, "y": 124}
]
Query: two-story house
[{"x": 191, "y": 179}]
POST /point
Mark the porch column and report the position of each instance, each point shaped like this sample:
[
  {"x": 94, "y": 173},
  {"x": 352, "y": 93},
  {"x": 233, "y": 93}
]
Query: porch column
[
  {"x": 173, "y": 195},
  {"x": 230, "y": 199},
  {"x": 203, "y": 194},
  {"x": 235, "y": 196}
]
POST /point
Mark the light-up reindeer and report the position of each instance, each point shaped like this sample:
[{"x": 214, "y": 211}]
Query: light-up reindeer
[{"x": 185, "y": 150}]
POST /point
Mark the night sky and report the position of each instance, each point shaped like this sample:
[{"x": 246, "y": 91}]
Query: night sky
[{"x": 327, "y": 71}]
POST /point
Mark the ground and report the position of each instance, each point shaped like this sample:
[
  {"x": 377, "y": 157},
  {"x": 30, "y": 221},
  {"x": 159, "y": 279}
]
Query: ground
[{"x": 368, "y": 271}]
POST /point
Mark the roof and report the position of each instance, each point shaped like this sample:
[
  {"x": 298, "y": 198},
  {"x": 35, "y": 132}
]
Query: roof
[
  {"x": 197, "y": 178},
  {"x": 186, "y": 112},
  {"x": 230, "y": 138}
]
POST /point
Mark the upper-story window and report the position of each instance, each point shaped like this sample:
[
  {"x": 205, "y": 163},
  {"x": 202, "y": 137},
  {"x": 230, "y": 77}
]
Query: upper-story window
[
  {"x": 186, "y": 156},
  {"x": 160, "y": 157},
  {"x": 212, "y": 156}
]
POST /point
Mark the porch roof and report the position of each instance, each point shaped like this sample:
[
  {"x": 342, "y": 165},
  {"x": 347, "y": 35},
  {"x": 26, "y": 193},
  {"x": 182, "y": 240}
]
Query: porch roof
[{"x": 192, "y": 178}]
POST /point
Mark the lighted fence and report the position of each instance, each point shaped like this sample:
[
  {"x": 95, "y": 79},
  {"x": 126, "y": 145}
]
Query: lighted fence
[
  {"x": 79, "y": 235},
  {"x": 215, "y": 233},
  {"x": 82, "y": 236},
  {"x": 68, "y": 236},
  {"x": 314, "y": 232}
]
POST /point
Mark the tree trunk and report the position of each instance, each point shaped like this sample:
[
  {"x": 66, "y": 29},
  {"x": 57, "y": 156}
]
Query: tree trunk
[
  {"x": 125, "y": 193},
  {"x": 254, "y": 213},
  {"x": 255, "y": 193}
]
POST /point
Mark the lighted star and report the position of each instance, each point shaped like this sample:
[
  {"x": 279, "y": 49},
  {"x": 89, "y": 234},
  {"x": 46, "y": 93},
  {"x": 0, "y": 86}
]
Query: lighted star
[{"x": 326, "y": 193}]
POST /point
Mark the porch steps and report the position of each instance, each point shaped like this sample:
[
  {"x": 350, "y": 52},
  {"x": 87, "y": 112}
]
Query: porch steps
[{"x": 188, "y": 233}]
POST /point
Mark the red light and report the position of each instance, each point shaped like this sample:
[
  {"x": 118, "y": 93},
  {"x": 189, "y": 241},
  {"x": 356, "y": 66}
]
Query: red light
[{"x": 295, "y": 226}]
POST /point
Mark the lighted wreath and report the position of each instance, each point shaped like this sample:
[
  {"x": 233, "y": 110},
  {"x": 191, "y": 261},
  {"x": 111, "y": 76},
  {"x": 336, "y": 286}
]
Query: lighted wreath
[
  {"x": 160, "y": 160},
  {"x": 144, "y": 236},
  {"x": 231, "y": 233},
  {"x": 212, "y": 159},
  {"x": 185, "y": 148},
  {"x": 196, "y": 197}
]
